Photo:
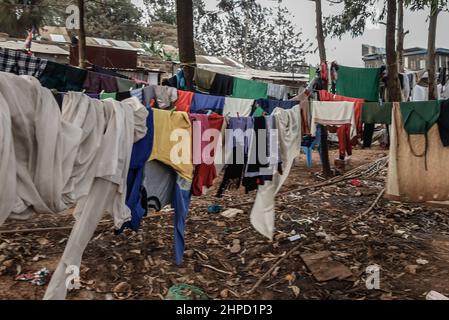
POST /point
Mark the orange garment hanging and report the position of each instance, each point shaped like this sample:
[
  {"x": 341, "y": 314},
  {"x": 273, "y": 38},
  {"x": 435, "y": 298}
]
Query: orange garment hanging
[{"x": 184, "y": 101}]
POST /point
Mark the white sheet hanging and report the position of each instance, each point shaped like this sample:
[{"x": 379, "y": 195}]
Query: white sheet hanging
[
  {"x": 45, "y": 147},
  {"x": 124, "y": 125},
  {"x": 51, "y": 161},
  {"x": 233, "y": 106},
  {"x": 333, "y": 113},
  {"x": 421, "y": 93}
]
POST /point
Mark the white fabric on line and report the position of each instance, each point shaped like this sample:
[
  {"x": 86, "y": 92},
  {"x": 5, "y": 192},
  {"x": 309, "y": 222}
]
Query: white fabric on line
[
  {"x": 333, "y": 113},
  {"x": 288, "y": 123},
  {"x": 277, "y": 91},
  {"x": 124, "y": 123},
  {"x": 50, "y": 161},
  {"x": 421, "y": 93},
  {"x": 232, "y": 106},
  {"x": 44, "y": 145}
]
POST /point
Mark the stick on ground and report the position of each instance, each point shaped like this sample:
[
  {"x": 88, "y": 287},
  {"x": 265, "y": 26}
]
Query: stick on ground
[{"x": 272, "y": 268}]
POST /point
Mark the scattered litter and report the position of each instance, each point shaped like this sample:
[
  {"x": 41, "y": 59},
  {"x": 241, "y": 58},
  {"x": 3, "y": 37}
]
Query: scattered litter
[
  {"x": 295, "y": 237},
  {"x": 236, "y": 246},
  {"x": 185, "y": 291},
  {"x": 38, "y": 278},
  {"x": 356, "y": 182},
  {"x": 421, "y": 261},
  {"x": 434, "y": 295},
  {"x": 214, "y": 208},
  {"x": 231, "y": 213}
]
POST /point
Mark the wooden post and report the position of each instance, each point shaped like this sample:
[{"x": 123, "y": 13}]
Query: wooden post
[
  {"x": 322, "y": 51},
  {"x": 184, "y": 16},
  {"x": 81, "y": 37}
]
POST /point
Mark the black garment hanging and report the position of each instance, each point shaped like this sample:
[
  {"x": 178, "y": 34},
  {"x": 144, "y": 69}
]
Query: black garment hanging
[
  {"x": 443, "y": 122},
  {"x": 222, "y": 85},
  {"x": 123, "y": 95},
  {"x": 368, "y": 131},
  {"x": 254, "y": 169}
]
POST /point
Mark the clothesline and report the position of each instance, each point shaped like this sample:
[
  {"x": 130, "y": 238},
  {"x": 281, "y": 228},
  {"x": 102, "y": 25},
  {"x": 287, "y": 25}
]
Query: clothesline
[{"x": 82, "y": 129}]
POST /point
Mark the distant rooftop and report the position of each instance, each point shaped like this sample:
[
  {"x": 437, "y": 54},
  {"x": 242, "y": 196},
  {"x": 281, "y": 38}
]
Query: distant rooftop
[
  {"x": 374, "y": 53},
  {"x": 35, "y": 47}
]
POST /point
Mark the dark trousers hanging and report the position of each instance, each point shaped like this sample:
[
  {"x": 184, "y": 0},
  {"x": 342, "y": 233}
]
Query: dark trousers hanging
[{"x": 368, "y": 131}]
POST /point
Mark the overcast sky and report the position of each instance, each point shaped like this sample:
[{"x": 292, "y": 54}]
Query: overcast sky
[{"x": 347, "y": 51}]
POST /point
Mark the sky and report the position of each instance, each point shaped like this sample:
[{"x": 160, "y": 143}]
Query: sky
[{"x": 348, "y": 50}]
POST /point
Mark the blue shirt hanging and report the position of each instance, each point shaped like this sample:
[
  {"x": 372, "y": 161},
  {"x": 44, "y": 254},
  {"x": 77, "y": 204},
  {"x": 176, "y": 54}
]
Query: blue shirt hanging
[
  {"x": 202, "y": 102},
  {"x": 269, "y": 105},
  {"x": 140, "y": 153}
]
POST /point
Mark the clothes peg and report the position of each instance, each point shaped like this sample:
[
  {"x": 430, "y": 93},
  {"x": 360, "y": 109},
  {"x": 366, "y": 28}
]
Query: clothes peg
[
  {"x": 131, "y": 88},
  {"x": 102, "y": 91},
  {"x": 227, "y": 114},
  {"x": 172, "y": 110},
  {"x": 238, "y": 115},
  {"x": 84, "y": 91},
  {"x": 209, "y": 112}
]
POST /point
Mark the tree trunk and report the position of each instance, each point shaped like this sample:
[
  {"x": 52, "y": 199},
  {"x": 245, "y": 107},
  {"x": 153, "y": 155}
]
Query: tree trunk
[
  {"x": 393, "y": 87},
  {"x": 184, "y": 17},
  {"x": 320, "y": 32},
  {"x": 322, "y": 51},
  {"x": 401, "y": 35},
  {"x": 81, "y": 37},
  {"x": 431, "y": 50}
]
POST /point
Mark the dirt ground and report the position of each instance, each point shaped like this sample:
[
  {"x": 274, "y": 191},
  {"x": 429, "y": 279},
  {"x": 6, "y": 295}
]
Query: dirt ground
[{"x": 410, "y": 243}]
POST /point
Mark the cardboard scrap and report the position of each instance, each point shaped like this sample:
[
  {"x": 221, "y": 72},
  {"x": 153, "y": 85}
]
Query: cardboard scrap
[{"x": 324, "y": 268}]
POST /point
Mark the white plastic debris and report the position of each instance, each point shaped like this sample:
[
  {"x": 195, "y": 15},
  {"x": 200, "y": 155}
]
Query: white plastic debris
[
  {"x": 434, "y": 295},
  {"x": 231, "y": 213}
]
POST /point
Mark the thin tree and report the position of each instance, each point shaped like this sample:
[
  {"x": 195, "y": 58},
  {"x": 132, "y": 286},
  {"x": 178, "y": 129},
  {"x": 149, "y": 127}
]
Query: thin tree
[
  {"x": 400, "y": 36},
  {"x": 81, "y": 37},
  {"x": 393, "y": 87},
  {"x": 436, "y": 6},
  {"x": 322, "y": 51},
  {"x": 431, "y": 54},
  {"x": 184, "y": 17}
]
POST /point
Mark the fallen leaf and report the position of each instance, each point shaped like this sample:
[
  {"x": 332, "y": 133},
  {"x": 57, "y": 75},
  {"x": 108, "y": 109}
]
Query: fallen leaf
[
  {"x": 411, "y": 268},
  {"x": 43, "y": 241},
  {"x": 122, "y": 287},
  {"x": 290, "y": 278},
  {"x": 224, "y": 293},
  {"x": 295, "y": 290}
]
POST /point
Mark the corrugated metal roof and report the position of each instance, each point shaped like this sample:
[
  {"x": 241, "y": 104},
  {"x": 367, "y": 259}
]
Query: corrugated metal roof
[
  {"x": 232, "y": 67},
  {"x": 35, "y": 47}
]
